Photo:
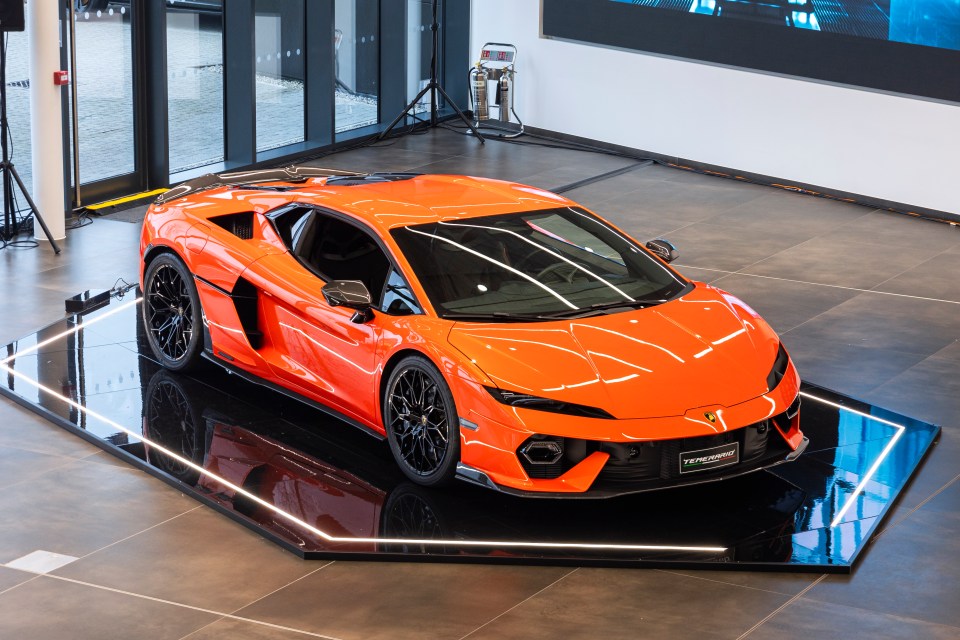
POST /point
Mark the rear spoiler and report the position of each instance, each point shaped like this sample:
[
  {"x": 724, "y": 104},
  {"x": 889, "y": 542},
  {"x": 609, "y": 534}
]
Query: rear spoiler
[{"x": 214, "y": 180}]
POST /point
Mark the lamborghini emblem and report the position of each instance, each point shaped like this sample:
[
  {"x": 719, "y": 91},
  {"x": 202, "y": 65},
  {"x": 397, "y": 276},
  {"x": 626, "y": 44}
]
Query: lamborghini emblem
[{"x": 711, "y": 417}]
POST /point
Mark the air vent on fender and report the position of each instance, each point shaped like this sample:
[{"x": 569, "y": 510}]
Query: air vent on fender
[
  {"x": 244, "y": 297},
  {"x": 239, "y": 224}
]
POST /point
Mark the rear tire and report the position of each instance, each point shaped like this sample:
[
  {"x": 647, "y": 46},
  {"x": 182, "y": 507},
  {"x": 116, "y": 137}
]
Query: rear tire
[
  {"x": 422, "y": 424},
  {"x": 171, "y": 314}
]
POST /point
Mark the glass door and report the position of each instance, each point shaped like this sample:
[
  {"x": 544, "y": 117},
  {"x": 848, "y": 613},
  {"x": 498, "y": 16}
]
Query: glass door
[
  {"x": 106, "y": 107},
  {"x": 279, "y": 69},
  {"x": 194, "y": 86}
]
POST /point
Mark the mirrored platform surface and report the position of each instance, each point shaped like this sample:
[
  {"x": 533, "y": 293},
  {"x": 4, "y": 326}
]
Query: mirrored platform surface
[{"x": 322, "y": 489}]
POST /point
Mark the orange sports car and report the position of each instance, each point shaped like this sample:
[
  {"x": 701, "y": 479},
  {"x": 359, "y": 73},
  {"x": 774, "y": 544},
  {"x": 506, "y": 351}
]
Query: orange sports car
[{"x": 490, "y": 331}]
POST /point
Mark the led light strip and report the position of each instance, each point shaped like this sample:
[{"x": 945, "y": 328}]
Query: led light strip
[
  {"x": 75, "y": 329},
  {"x": 325, "y": 536},
  {"x": 876, "y": 464}
]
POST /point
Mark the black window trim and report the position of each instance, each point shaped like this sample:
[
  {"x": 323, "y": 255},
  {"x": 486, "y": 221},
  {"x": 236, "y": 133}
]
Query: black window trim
[{"x": 315, "y": 210}]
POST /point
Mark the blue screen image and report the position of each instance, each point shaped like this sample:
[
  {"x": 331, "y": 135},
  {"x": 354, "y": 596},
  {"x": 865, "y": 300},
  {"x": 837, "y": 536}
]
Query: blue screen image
[{"x": 929, "y": 23}]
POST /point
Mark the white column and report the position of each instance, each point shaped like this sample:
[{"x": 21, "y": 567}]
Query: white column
[{"x": 46, "y": 124}]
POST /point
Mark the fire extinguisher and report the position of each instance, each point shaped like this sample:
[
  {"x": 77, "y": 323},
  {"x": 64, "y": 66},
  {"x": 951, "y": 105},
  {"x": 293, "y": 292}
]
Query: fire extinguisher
[
  {"x": 505, "y": 96},
  {"x": 478, "y": 92}
]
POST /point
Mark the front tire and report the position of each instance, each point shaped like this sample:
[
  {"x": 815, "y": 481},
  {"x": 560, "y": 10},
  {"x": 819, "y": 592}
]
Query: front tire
[
  {"x": 171, "y": 314},
  {"x": 421, "y": 421}
]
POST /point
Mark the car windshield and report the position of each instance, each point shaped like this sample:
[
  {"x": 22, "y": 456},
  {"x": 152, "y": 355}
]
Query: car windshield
[{"x": 556, "y": 263}]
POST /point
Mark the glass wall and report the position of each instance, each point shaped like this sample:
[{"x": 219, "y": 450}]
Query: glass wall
[
  {"x": 420, "y": 50},
  {"x": 105, "y": 106},
  {"x": 278, "y": 47},
  {"x": 357, "y": 63},
  {"x": 194, "y": 88},
  {"x": 18, "y": 110},
  {"x": 176, "y": 89}
]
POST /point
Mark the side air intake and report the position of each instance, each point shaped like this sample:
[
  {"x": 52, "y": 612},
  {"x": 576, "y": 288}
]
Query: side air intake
[
  {"x": 239, "y": 224},
  {"x": 244, "y": 297}
]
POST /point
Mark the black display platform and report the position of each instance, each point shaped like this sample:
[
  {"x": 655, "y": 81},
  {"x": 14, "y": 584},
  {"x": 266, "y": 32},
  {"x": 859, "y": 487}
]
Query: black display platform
[{"x": 323, "y": 489}]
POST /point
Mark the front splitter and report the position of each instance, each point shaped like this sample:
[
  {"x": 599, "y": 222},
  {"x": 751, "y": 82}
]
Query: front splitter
[{"x": 321, "y": 489}]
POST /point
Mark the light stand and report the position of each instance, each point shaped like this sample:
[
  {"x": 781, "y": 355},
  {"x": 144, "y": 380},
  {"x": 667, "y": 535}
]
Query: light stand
[
  {"x": 433, "y": 87},
  {"x": 9, "y": 172}
]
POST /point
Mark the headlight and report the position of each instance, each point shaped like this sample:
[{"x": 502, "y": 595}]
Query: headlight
[
  {"x": 527, "y": 401},
  {"x": 779, "y": 369}
]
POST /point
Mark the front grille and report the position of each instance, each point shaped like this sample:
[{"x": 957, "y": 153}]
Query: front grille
[{"x": 660, "y": 461}]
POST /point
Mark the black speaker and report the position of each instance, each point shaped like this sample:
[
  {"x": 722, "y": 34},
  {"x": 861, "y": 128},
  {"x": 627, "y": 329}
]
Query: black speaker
[{"x": 11, "y": 15}]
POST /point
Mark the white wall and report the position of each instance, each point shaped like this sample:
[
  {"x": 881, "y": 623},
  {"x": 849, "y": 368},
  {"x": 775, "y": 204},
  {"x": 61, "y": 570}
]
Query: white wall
[{"x": 894, "y": 148}]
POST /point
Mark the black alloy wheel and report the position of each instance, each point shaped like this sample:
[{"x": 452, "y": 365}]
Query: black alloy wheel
[
  {"x": 411, "y": 516},
  {"x": 172, "y": 420},
  {"x": 421, "y": 422},
  {"x": 171, "y": 314}
]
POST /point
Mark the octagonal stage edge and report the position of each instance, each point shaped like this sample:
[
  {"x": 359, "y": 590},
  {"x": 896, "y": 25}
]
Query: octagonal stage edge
[{"x": 322, "y": 489}]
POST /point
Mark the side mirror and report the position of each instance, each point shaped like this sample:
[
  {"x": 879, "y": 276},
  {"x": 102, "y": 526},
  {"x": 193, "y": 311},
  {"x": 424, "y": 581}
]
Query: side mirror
[
  {"x": 351, "y": 294},
  {"x": 663, "y": 249}
]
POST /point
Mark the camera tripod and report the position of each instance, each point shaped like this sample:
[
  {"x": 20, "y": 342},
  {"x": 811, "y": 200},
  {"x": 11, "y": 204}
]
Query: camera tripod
[
  {"x": 10, "y": 175},
  {"x": 433, "y": 87}
]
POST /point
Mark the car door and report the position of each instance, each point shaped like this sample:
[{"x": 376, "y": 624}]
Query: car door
[{"x": 312, "y": 346}]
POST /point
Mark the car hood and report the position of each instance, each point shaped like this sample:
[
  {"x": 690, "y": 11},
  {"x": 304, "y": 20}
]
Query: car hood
[{"x": 704, "y": 349}]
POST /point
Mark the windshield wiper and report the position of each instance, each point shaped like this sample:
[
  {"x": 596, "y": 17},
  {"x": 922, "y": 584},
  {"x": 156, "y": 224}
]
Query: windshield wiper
[
  {"x": 601, "y": 307},
  {"x": 497, "y": 316}
]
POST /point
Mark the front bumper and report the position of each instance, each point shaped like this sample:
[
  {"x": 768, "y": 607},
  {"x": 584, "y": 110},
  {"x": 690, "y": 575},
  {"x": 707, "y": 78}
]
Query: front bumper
[
  {"x": 606, "y": 490},
  {"x": 565, "y": 466}
]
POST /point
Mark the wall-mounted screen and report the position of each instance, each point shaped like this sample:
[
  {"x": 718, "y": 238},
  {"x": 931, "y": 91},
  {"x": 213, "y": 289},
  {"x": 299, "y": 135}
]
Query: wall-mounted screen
[{"x": 904, "y": 46}]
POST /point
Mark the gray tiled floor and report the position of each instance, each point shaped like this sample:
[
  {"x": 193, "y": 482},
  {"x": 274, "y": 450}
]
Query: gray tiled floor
[{"x": 153, "y": 564}]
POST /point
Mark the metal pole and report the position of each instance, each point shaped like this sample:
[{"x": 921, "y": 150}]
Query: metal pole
[
  {"x": 8, "y": 215},
  {"x": 75, "y": 120}
]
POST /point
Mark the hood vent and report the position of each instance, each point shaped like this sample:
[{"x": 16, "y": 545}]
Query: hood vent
[{"x": 373, "y": 178}]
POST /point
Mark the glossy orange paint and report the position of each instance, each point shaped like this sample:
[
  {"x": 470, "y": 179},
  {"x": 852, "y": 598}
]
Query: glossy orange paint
[{"x": 657, "y": 370}]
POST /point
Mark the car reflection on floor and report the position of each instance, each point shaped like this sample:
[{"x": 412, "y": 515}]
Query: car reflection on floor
[
  {"x": 189, "y": 417},
  {"x": 305, "y": 482}
]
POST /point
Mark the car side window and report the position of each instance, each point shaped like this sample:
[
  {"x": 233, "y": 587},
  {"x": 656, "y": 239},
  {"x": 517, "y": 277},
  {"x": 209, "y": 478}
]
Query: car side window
[
  {"x": 338, "y": 250},
  {"x": 398, "y": 300}
]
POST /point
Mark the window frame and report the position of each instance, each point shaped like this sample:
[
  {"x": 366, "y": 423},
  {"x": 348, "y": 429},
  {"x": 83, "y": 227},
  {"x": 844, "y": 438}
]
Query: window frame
[{"x": 313, "y": 211}]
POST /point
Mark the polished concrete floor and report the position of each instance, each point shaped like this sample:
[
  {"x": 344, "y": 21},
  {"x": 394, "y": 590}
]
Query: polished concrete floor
[{"x": 868, "y": 302}]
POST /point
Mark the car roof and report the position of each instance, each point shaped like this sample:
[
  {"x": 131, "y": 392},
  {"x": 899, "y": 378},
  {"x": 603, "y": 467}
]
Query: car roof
[{"x": 381, "y": 203}]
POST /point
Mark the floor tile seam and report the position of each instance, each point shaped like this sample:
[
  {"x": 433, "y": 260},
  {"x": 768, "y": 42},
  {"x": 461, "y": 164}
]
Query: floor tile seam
[
  {"x": 206, "y": 626},
  {"x": 134, "y": 535},
  {"x": 894, "y": 277},
  {"x": 919, "y": 506},
  {"x": 525, "y": 600},
  {"x": 103, "y": 454},
  {"x": 292, "y": 582},
  {"x": 182, "y": 605},
  {"x": 865, "y": 610},
  {"x": 33, "y": 477},
  {"x": 782, "y": 607},
  {"x": 721, "y": 582},
  {"x": 19, "y": 584},
  {"x": 721, "y": 212},
  {"x": 741, "y": 271},
  {"x": 818, "y": 284},
  {"x": 819, "y": 236},
  {"x": 52, "y": 454}
]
